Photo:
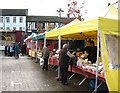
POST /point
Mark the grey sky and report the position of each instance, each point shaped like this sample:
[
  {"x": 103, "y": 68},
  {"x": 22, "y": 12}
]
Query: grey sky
[{"x": 49, "y": 7}]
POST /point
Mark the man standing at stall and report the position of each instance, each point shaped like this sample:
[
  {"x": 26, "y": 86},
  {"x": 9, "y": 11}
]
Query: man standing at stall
[
  {"x": 45, "y": 56},
  {"x": 92, "y": 57},
  {"x": 64, "y": 56}
]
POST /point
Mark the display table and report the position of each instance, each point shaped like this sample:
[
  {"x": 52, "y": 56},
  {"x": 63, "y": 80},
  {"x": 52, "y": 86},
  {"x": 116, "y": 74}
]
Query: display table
[
  {"x": 79, "y": 70},
  {"x": 27, "y": 51},
  {"x": 30, "y": 52},
  {"x": 86, "y": 73},
  {"x": 53, "y": 61},
  {"x": 39, "y": 54},
  {"x": 33, "y": 53},
  {"x": 92, "y": 75}
]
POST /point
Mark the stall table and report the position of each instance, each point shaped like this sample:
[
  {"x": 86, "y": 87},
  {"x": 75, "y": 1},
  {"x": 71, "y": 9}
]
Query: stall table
[
  {"x": 53, "y": 61},
  {"x": 39, "y": 54},
  {"x": 33, "y": 53},
  {"x": 88, "y": 74},
  {"x": 30, "y": 52}
]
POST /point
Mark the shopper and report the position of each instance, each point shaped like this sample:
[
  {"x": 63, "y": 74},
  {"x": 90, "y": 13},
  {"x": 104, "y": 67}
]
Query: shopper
[
  {"x": 14, "y": 49},
  {"x": 11, "y": 50},
  {"x": 45, "y": 56},
  {"x": 17, "y": 50},
  {"x": 6, "y": 51},
  {"x": 64, "y": 56},
  {"x": 23, "y": 49}
]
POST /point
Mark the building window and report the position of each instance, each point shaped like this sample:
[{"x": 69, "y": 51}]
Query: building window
[
  {"x": 1, "y": 19},
  {"x": 14, "y": 19},
  {"x": 14, "y": 28},
  {"x": 21, "y": 19},
  {"x": 8, "y": 19},
  {"x": 8, "y": 28},
  {"x": 20, "y": 28}
]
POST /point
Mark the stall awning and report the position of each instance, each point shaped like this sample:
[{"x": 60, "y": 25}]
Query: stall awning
[
  {"x": 39, "y": 36},
  {"x": 56, "y": 32},
  {"x": 29, "y": 38},
  {"x": 77, "y": 29}
]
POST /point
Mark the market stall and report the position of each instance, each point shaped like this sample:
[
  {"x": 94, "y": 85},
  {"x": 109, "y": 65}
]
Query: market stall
[
  {"x": 101, "y": 29},
  {"x": 38, "y": 50},
  {"x": 29, "y": 44}
]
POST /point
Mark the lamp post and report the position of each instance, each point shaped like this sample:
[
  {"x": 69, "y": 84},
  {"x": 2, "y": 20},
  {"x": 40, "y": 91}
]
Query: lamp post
[
  {"x": 59, "y": 11},
  {"x": 59, "y": 38}
]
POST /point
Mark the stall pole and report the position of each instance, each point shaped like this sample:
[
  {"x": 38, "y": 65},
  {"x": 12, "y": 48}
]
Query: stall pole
[
  {"x": 59, "y": 38},
  {"x": 98, "y": 42},
  {"x": 44, "y": 41},
  {"x": 59, "y": 44},
  {"x": 36, "y": 50}
]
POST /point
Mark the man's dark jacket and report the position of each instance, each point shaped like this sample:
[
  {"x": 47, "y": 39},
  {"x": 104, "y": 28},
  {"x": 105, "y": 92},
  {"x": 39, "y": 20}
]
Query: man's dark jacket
[{"x": 63, "y": 58}]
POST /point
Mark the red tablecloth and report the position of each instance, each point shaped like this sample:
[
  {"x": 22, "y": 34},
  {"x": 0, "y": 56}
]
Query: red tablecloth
[
  {"x": 27, "y": 50},
  {"x": 86, "y": 73},
  {"x": 79, "y": 70},
  {"x": 53, "y": 61}
]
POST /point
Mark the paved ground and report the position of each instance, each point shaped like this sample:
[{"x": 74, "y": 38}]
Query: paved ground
[{"x": 24, "y": 74}]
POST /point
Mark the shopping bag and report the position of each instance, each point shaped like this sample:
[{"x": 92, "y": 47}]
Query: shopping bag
[{"x": 41, "y": 61}]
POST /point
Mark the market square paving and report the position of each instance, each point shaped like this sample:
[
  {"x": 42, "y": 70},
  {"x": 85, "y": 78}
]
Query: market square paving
[{"x": 24, "y": 74}]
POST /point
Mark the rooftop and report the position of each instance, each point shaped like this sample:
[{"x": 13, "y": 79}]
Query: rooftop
[
  {"x": 14, "y": 12},
  {"x": 49, "y": 19}
]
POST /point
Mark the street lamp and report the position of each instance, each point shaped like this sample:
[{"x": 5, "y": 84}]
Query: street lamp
[
  {"x": 59, "y": 38},
  {"x": 59, "y": 11}
]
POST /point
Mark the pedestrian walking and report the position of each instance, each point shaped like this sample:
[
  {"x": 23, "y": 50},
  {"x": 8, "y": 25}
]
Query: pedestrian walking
[
  {"x": 17, "y": 50},
  {"x": 14, "y": 49},
  {"x": 11, "y": 50},
  {"x": 6, "y": 51},
  {"x": 23, "y": 49}
]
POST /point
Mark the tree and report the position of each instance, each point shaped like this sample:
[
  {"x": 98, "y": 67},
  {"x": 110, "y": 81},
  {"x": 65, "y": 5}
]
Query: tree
[{"x": 74, "y": 10}]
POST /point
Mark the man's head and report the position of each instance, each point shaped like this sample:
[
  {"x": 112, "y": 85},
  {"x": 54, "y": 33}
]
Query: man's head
[
  {"x": 47, "y": 45},
  {"x": 92, "y": 43},
  {"x": 65, "y": 46},
  {"x": 87, "y": 43}
]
